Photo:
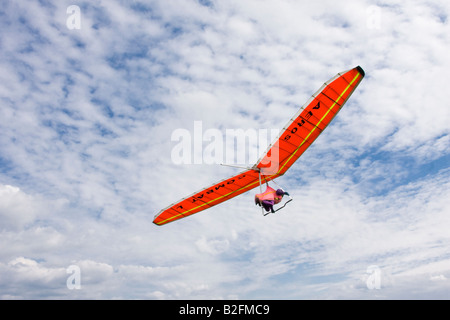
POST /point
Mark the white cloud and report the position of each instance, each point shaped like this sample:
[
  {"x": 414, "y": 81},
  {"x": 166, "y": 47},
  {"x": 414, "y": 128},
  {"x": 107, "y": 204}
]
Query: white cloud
[
  {"x": 15, "y": 208},
  {"x": 86, "y": 118},
  {"x": 212, "y": 246},
  {"x": 24, "y": 278}
]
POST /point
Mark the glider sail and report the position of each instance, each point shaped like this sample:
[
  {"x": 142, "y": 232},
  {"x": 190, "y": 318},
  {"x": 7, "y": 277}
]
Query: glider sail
[
  {"x": 309, "y": 122},
  {"x": 299, "y": 133}
]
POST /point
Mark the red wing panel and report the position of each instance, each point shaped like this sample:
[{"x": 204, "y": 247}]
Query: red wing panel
[
  {"x": 209, "y": 197},
  {"x": 309, "y": 122}
]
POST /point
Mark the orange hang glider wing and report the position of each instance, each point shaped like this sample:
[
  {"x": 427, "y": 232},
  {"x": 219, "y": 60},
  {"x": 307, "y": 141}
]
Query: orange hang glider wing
[
  {"x": 309, "y": 122},
  {"x": 209, "y": 197},
  {"x": 295, "y": 138}
]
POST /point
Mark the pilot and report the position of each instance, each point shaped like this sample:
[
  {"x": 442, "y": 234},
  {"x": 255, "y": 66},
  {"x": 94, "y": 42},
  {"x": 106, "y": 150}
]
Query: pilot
[{"x": 269, "y": 198}]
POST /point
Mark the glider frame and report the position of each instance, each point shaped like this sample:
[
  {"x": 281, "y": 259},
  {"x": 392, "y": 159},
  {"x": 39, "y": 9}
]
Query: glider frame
[{"x": 260, "y": 185}]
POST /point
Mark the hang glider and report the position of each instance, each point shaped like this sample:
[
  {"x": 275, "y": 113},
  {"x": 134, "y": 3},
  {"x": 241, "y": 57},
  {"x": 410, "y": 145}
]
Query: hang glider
[{"x": 298, "y": 134}]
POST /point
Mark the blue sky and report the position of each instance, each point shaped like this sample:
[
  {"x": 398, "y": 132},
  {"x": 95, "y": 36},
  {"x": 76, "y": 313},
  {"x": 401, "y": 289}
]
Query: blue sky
[{"x": 86, "y": 119}]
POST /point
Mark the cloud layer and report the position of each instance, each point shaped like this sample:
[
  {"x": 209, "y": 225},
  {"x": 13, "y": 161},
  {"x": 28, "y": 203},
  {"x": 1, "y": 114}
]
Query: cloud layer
[{"x": 86, "y": 119}]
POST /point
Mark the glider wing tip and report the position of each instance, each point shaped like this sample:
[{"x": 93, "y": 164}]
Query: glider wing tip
[
  {"x": 156, "y": 220},
  {"x": 361, "y": 70}
]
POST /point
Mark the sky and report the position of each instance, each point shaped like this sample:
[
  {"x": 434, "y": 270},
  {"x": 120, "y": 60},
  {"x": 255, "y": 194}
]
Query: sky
[{"x": 92, "y": 91}]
